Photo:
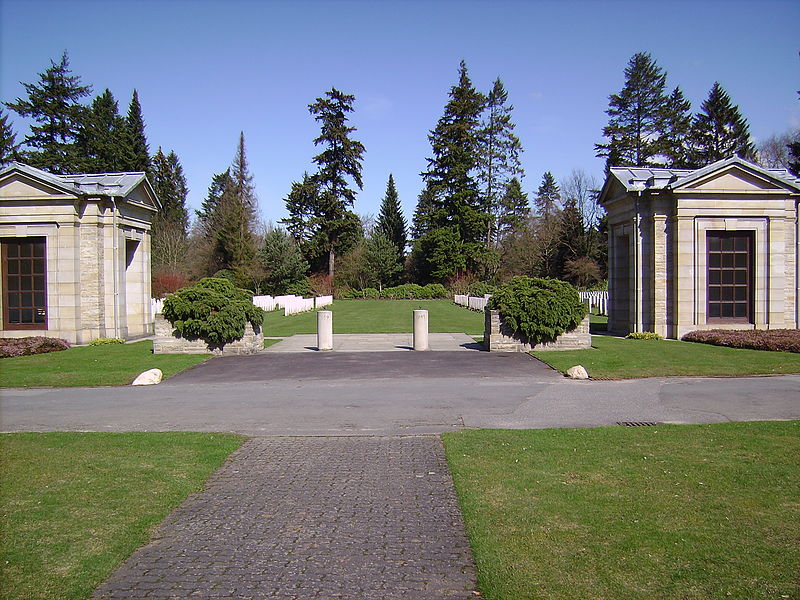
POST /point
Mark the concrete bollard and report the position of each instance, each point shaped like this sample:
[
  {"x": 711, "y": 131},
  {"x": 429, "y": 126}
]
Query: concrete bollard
[
  {"x": 324, "y": 330},
  {"x": 421, "y": 330}
]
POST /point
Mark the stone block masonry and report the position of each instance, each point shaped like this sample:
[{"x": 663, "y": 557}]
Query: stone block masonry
[
  {"x": 497, "y": 337},
  {"x": 166, "y": 342}
]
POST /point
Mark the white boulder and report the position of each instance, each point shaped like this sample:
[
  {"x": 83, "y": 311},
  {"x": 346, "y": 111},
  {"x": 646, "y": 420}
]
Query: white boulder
[
  {"x": 577, "y": 372},
  {"x": 151, "y": 377}
]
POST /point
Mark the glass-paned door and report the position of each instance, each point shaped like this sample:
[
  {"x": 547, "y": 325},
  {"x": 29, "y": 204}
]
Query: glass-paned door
[{"x": 24, "y": 283}]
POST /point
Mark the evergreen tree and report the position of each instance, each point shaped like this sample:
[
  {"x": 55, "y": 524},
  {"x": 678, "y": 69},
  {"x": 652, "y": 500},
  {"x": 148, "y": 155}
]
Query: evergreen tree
[
  {"x": 456, "y": 220},
  {"x": 53, "y": 103},
  {"x": 571, "y": 236},
  {"x": 514, "y": 209},
  {"x": 101, "y": 139},
  {"x": 719, "y": 130},
  {"x": 422, "y": 213},
  {"x": 169, "y": 183},
  {"x": 283, "y": 262},
  {"x": 636, "y": 116},
  {"x": 171, "y": 224},
  {"x": 301, "y": 204},
  {"x": 338, "y": 163},
  {"x": 235, "y": 240},
  {"x": 676, "y": 135},
  {"x": 382, "y": 260},
  {"x": 8, "y": 141},
  {"x": 138, "y": 152},
  {"x": 500, "y": 151},
  {"x": 548, "y": 196},
  {"x": 391, "y": 222},
  {"x": 794, "y": 155},
  {"x": 208, "y": 209}
]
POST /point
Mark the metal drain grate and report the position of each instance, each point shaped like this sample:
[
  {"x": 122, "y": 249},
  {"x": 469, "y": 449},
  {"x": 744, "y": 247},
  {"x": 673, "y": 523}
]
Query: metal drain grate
[{"x": 637, "y": 423}]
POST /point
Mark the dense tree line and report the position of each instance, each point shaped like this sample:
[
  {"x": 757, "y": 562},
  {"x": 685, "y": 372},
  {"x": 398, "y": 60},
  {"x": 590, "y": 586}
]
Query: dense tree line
[{"x": 473, "y": 221}]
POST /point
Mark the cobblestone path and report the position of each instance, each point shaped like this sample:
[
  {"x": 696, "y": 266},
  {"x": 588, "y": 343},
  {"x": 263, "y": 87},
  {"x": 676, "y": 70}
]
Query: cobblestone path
[{"x": 351, "y": 517}]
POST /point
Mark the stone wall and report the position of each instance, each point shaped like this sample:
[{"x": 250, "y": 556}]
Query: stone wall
[
  {"x": 497, "y": 337},
  {"x": 167, "y": 341}
]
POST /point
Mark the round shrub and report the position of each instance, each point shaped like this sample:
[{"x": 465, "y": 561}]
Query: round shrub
[
  {"x": 435, "y": 290},
  {"x": 538, "y": 309},
  {"x": 213, "y": 310},
  {"x": 481, "y": 288}
]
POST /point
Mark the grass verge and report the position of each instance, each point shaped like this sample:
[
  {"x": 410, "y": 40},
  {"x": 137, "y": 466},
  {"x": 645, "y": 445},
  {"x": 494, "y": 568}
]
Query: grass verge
[
  {"x": 113, "y": 364},
  {"x": 618, "y": 358},
  {"x": 708, "y": 511},
  {"x": 74, "y": 505},
  {"x": 379, "y": 316}
]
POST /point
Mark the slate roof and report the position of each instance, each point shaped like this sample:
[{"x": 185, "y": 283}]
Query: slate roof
[
  {"x": 89, "y": 184},
  {"x": 636, "y": 179}
]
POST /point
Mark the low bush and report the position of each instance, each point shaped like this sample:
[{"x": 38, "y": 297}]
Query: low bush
[
  {"x": 213, "y": 310},
  {"x": 643, "y": 335},
  {"x": 31, "y": 345},
  {"x": 777, "y": 340},
  {"x": 106, "y": 341},
  {"x": 481, "y": 288},
  {"x": 320, "y": 285},
  {"x": 538, "y": 309}
]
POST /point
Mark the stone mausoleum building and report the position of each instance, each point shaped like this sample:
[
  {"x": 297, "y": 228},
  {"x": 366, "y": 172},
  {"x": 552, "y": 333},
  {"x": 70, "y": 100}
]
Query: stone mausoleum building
[
  {"x": 713, "y": 248},
  {"x": 75, "y": 254}
]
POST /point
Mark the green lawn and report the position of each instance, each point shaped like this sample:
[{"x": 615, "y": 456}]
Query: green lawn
[
  {"x": 619, "y": 358},
  {"x": 74, "y": 505},
  {"x": 379, "y": 316},
  {"x": 112, "y": 364},
  {"x": 708, "y": 511}
]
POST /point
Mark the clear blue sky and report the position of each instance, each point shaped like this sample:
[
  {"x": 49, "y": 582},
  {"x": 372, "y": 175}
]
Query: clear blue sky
[{"x": 207, "y": 70}]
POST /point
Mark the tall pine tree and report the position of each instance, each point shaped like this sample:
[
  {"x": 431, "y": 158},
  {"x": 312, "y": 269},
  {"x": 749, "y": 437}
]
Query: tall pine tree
[
  {"x": 8, "y": 140},
  {"x": 455, "y": 219},
  {"x": 548, "y": 196},
  {"x": 636, "y": 116},
  {"x": 676, "y": 136},
  {"x": 171, "y": 224},
  {"x": 339, "y": 166},
  {"x": 391, "y": 222},
  {"x": 138, "y": 152},
  {"x": 719, "y": 130},
  {"x": 101, "y": 139},
  {"x": 514, "y": 209},
  {"x": 500, "y": 151},
  {"x": 54, "y": 105},
  {"x": 235, "y": 239}
]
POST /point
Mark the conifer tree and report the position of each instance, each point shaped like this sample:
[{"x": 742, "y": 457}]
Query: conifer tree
[
  {"x": 301, "y": 204},
  {"x": 391, "y": 222},
  {"x": 514, "y": 209},
  {"x": 422, "y": 213},
  {"x": 382, "y": 260},
  {"x": 236, "y": 215},
  {"x": 101, "y": 139},
  {"x": 455, "y": 219},
  {"x": 54, "y": 105},
  {"x": 794, "y": 155},
  {"x": 636, "y": 116},
  {"x": 8, "y": 140},
  {"x": 676, "y": 134},
  {"x": 138, "y": 152},
  {"x": 719, "y": 130},
  {"x": 171, "y": 224},
  {"x": 338, "y": 164},
  {"x": 208, "y": 208},
  {"x": 283, "y": 262},
  {"x": 548, "y": 196},
  {"x": 500, "y": 151}
]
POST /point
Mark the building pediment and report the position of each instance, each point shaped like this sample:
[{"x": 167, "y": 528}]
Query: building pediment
[
  {"x": 20, "y": 186},
  {"x": 735, "y": 175}
]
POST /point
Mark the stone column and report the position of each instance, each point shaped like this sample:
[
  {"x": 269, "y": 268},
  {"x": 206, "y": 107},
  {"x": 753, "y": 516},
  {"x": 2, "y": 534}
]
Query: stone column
[
  {"x": 324, "y": 330},
  {"x": 659, "y": 282},
  {"x": 421, "y": 330}
]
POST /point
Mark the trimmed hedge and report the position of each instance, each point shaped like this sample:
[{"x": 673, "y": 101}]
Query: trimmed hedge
[
  {"x": 106, "y": 341},
  {"x": 776, "y": 340},
  {"x": 213, "y": 310},
  {"x": 643, "y": 335},
  {"x": 10, "y": 347},
  {"x": 408, "y": 291},
  {"x": 538, "y": 309}
]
